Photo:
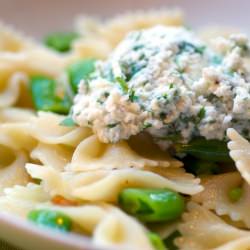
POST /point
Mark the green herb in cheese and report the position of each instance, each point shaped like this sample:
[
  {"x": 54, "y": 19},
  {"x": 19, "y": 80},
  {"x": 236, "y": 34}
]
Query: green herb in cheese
[{"x": 167, "y": 81}]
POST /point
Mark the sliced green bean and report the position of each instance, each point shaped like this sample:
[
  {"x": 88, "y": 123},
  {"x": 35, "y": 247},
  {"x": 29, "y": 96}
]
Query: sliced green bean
[
  {"x": 51, "y": 218},
  {"x": 80, "y": 70},
  {"x": 152, "y": 205},
  {"x": 209, "y": 150},
  {"x": 60, "y": 41},
  {"x": 156, "y": 241},
  {"x": 43, "y": 91}
]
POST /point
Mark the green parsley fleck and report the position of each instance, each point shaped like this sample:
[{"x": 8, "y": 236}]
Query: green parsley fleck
[
  {"x": 132, "y": 96},
  {"x": 112, "y": 125},
  {"x": 123, "y": 84},
  {"x": 189, "y": 47},
  {"x": 147, "y": 125},
  {"x": 201, "y": 113}
]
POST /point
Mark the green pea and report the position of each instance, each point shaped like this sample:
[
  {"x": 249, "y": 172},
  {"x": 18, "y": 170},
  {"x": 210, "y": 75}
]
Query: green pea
[
  {"x": 60, "y": 41},
  {"x": 208, "y": 150},
  {"x": 169, "y": 241},
  {"x": 235, "y": 194},
  {"x": 43, "y": 91},
  {"x": 152, "y": 205},
  {"x": 51, "y": 218},
  {"x": 156, "y": 241},
  {"x": 80, "y": 70}
]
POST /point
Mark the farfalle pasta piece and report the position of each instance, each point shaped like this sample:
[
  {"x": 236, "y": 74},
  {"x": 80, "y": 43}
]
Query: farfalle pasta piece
[
  {"x": 116, "y": 28},
  {"x": 105, "y": 185},
  {"x": 11, "y": 40},
  {"x": 164, "y": 230},
  {"x": 238, "y": 244},
  {"x": 9, "y": 96},
  {"x": 57, "y": 156},
  {"x": 53, "y": 133},
  {"x": 26, "y": 62},
  {"x": 89, "y": 47},
  {"x": 12, "y": 169},
  {"x": 21, "y": 199},
  {"x": 240, "y": 152},
  {"x": 17, "y": 136},
  {"x": 216, "y": 196},
  {"x": 115, "y": 230},
  {"x": 145, "y": 146},
  {"x": 13, "y": 115},
  {"x": 91, "y": 154},
  {"x": 203, "y": 230}
]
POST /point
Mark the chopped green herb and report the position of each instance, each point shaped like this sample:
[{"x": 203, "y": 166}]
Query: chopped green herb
[
  {"x": 147, "y": 125},
  {"x": 162, "y": 116},
  {"x": 216, "y": 60},
  {"x": 132, "y": 96},
  {"x": 171, "y": 85},
  {"x": 235, "y": 194},
  {"x": 171, "y": 137},
  {"x": 122, "y": 83},
  {"x": 201, "y": 113},
  {"x": 189, "y": 47},
  {"x": 112, "y": 125},
  {"x": 138, "y": 46},
  {"x": 99, "y": 101},
  {"x": 80, "y": 70},
  {"x": 68, "y": 122},
  {"x": 106, "y": 94},
  {"x": 60, "y": 41}
]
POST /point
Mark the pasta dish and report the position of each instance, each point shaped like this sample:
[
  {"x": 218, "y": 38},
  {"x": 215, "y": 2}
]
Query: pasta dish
[{"x": 131, "y": 131}]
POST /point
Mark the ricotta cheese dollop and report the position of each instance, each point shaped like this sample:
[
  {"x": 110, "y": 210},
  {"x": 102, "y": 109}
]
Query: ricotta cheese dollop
[{"x": 166, "y": 81}]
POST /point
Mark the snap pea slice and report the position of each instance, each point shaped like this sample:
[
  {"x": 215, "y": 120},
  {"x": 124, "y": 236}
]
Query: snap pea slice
[
  {"x": 80, "y": 70},
  {"x": 152, "y": 205},
  {"x": 51, "y": 218},
  {"x": 60, "y": 41},
  {"x": 209, "y": 150},
  {"x": 43, "y": 91},
  {"x": 156, "y": 241}
]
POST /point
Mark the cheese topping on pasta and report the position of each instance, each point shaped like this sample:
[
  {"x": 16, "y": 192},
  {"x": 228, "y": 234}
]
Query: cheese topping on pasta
[{"x": 167, "y": 81}]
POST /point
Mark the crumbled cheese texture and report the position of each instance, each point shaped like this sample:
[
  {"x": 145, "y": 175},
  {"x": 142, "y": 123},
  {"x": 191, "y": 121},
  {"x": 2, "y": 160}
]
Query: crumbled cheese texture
[{"x": 168, "y": 82}]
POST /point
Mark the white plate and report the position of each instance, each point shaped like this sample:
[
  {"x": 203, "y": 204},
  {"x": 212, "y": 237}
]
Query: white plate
[{"x": 39, "y": 17}]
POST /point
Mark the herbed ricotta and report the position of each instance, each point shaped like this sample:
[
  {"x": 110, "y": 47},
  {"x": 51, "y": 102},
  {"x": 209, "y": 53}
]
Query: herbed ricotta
[{"x": 168, "y": 82}]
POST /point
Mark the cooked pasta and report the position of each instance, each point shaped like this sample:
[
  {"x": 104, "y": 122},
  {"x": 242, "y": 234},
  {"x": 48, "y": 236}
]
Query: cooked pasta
[{"x": 131, "y": 131}]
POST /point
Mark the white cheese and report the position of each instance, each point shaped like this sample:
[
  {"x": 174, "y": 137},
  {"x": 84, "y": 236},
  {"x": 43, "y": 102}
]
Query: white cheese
[{"x": 167, "y": 81}]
